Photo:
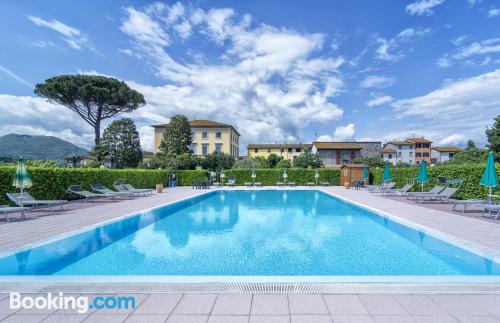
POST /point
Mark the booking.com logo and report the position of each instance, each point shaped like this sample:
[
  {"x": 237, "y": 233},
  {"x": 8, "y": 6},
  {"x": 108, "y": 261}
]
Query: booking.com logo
[{"x": 81, "y": 304}]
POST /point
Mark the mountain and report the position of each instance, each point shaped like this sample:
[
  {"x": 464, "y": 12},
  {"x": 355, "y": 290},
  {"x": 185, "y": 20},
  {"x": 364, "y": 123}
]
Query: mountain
[{"x": 38, "y": 147}]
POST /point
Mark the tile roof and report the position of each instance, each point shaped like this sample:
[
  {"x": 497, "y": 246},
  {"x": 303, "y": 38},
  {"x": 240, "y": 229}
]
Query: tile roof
[
  {"x": 419, "y": 140},
  {"x": 448, "y": 149},
  {"x": 400, "y": 143},
  {"x": 336, "y": 145},
  {"x": 253, "y": 146},
  {"x": 354, "y": 166},
  {"x": 202, "y": 123},
  {"x": 388, "y": 150}
]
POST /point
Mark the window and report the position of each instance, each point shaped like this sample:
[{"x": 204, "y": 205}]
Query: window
[
  {"x": 418, "y": 154},
  {"x": 426, "y": 145},
  {"x": 298, "y": 150},
  {"x": 390, "y": 156},
  {"x": 290, "y": 150},
  {"x": 418, "y": 146},
  {"x": 204, "y": 135},
  {"x": 426, "y": 154},
  {"x": 218, "y": 148},
  {"x": 218, "y": 135},
  {"x": 399, "y": 154},
  {"x": 192, "y": 135},
  {"x": 256, "y": 150},
  {"x": 282, "y": 150},
  {"x": 400, "y": 147},
  {"x": 192, "y": 147},
  {"x": 411, "y": 154},
  {"x": 204, "y": 149},
  {"x": 450, "y": 155},
  {"x": 269, "y": 150}
]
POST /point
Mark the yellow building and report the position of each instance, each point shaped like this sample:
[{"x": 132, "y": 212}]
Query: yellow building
[
  {"x": 286, "y": 151},
  {"x": 208, "y": 137}
]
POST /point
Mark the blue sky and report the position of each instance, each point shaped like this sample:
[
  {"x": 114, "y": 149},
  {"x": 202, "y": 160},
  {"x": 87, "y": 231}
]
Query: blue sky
[{"x": 278, "y": 71}]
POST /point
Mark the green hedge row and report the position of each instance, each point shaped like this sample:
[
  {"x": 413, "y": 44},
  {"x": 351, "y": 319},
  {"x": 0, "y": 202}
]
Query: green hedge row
[
  {"x": 52, "y": 183},
  {"x": 471, "y": 174}
]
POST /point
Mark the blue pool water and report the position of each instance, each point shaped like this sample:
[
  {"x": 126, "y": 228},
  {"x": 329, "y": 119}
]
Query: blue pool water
[{"x": 271, "y": 232}]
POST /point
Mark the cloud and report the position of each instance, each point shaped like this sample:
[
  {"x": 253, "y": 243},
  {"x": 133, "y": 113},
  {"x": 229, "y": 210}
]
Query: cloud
[
  {"x": 377, "y": 81},
  {"x": 16, "y": 77},
  {"x": 471, "y": 53},
  {"x": 72, "y": 36},
  {"x": 391, "y": 49},
  {"x": 423, "y": 7},
  {"x": 493, "y": 12},
  {"x": 468, "y": 105},
  {"x": 342, "y": 133},
  {"x": 455, "y": 139},
  {"x": 270, "y": 83},
  {"x": 379, "y": 101}
]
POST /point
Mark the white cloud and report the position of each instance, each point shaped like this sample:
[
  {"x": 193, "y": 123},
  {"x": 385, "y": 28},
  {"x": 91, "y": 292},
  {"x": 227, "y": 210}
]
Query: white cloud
[
  {"x": 455, "y": 139},
  {"x": 391, "y": 49},
  {"x": 72, "y": 36},
  {"x": 422, "y": 7},
  {"x": 473, "y": 2},
  {"x": 270, "y": 83},
  {"x": 377, "y": 81},
  {"x": 479, "y": 48},
  {"x": 379, "y": 101},
  {"x": 472, "y": 53},
  {"x": 16, "y": 77},
  {"x": 342, "y": 133},
  {"x": 493, "y": 12},
  {"x": 468, "y": 105}
]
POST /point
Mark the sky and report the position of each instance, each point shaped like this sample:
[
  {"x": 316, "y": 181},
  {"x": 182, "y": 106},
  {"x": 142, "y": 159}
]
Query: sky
[{"x": 278, "y": 71}]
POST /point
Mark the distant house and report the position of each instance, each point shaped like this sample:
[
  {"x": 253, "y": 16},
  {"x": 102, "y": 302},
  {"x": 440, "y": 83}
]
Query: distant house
[
  {"x": 208, "y": 137},
  {"x": 442, "y": 154},
  {"x": 336, "y": 154},
  {"x": 410, "y": 151},
  {"x": 285, "y": 151}
]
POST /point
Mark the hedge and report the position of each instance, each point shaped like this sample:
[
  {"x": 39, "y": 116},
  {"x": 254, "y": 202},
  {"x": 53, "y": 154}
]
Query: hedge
[
  {"x": 52, "y": 183},
  {"x": 471, "y": 174},
  {"x": 269, "y": 177}
]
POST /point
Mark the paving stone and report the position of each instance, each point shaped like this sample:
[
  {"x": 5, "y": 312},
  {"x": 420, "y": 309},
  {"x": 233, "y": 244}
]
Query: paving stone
[
  {"x": 5, "y": 307},
  {"x": 187, "y": 319},
  {"x": 477, "y": 319},
  {"x": 158, "y": 304},
  {"x": 106, "y": 318},
  {"x": 392, "y": 319},
  {"x": 352, "y": 319},
  {"x": 65, "y": 318},
  {"x": 228, "y": 319},
  {"x": 24, "y": 318},
  {"x": 307, "y": 304},
  {"x": 459, "y": 305},
  {"x": 419, "y": 305},
  {"x": 434, "y": 319},
  {"x": 382, "y": 305},
  {"x": 269, "y": 319},
  {"x": 271, "y": 304},
  {"x": 345, "y": 305},
  {"x": 146, "y": 318},
  {"x": 195, "y": 304},
  {"x": 233, "y": 304},
  {"x": 311, "y": 318}
]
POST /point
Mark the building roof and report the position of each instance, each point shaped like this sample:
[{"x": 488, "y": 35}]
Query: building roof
[
  {"x": 400, "y": 143},
  {"x": 388, "y": 150},
  {"x": 420, "y": 140},
  {"x": 354, "y": 166},
  {"x": 448, "y": 149},
  {"x": 323, "y": 145},
  {"x": 202, "y": 123},
  {"x": 263, "y": 146}
]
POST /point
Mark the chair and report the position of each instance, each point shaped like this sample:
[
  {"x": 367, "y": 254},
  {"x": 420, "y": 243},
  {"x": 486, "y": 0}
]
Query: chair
[
  {"x": 491, "y": 208},
  {"x": 402, "y": 191},
  {"x": 122, "y": 186},
  {"x": 78, "y": 190},
  {"x": 280, "y": 184},
  {"x": 380, "y": 188},
  {"x": 5, "y": 210},
  {"x": 311, "y": 184},
  {"x": 358, "y": 184},
  {"x": 231, "y": 181},
  {"x": 436, "y": 189},
  {"x": 324, "y": 184},
  {"x": 24, "y": 199},
  {"x": 465, "y": 203},
  {"x": 257, "y": 184},
  {"x": 444, "y": 195},
  {"x": 104, "y": 190},
  {"x": 248, "y": 183},
  {"x": 292, "y": 184}
]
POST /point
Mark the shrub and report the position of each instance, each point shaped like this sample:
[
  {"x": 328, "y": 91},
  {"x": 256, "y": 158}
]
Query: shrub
[
  {"x": 470, "y": 173},
  {"x": 284, "y": 163}
]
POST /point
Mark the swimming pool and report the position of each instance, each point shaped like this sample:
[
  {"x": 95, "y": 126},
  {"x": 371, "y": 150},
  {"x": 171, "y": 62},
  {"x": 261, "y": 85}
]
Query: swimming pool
[{"x": 251, "y": 233}]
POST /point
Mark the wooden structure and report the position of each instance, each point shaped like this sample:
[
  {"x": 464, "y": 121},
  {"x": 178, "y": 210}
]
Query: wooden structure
[{"x": 350, "y": 173}]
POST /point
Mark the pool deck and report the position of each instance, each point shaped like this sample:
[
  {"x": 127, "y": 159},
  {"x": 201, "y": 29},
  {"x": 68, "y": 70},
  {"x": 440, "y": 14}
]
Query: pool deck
[{"x": 348, "y": 305}]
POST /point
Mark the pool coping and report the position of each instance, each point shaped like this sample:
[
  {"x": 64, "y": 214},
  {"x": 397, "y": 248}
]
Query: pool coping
[{"x": 196, "y": 283}]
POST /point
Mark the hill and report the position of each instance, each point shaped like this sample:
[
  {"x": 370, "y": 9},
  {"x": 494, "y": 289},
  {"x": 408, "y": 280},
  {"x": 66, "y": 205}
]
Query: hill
[{"x": 37, "y": 148}]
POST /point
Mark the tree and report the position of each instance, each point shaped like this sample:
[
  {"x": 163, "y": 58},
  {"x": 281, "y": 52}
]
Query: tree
[
  {"x": 284, "y": 163},
  {"x": 217, "y": 161},
  {"x": 273, "y": 160},
  {"x": 308, "y": 160},
  {"x": 93, "y": 97},
  {"x": 177, "y": 137},
  {"x": 246, "y": 163},
  {"x": 370, "y": 161},
  {"x": 120, "y": 142},
  {"x": 262, "y": 161},
  {"x": 493, "y": 135},
  {"x": 470, "y": 155}
]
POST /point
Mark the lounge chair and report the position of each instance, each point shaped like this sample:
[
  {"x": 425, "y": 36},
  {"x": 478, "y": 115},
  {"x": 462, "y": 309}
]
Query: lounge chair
[
  {"x": 491, "y": 208},
  {"x": 78, "y": 190},
  {"x": 5, "y": 210},
  {"x": 311, "y": 184},
  {"x": 280, "y": 184},
  {"x": 358, "y": 184},
  {"x": 248, "y": 183},
  {"x": 24, "y": 199},
  {"x": 292, "y": 184},
  {"x": 398, "y": 191},
  {"x": 442, "y": 196},
  {"x": 324, "y": 184},
  {"x": 380, "y": 188},
  {"x": 257, "y": 184},
  {"x": 231, "y": 181},
  {"x": 436, "y": 189},
  {"x": 465, "y": 203},
  {"x": 126, "y": 188},
  {"x": 104, "y": 190}
]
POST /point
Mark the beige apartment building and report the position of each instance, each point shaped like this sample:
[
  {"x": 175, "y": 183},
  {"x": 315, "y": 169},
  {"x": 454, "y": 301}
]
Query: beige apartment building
[
  {"x": 285, "y": 151},
  {"x": 208, "y": 137}
]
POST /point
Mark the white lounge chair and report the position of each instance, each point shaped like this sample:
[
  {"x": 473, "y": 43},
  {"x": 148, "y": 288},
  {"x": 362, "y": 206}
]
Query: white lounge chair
[
  {"x": 465, "y": 204},
  {"x": 380, "y": 188},
  {"x": 398, "y": 191},
  {"x": 5, "y": 210},
  {"x": 231, "y": 181},
  {"x": 292, "y": 184},
  {"x": 78, "y": 190},
  {"x": 248, "y": 183},
  {"x": 442, "y": 196},
  {"x": 491, "y": 208},
  {"x": 128, "y": 188},
  {"x": 104, "y": 190},
  {"x": 324, "y": 184},
  {"x": 311, "y": 184},
  {"x": 24, "y": 199},
  {"x": 280, "y": 184},
  {"x": 436, "y": 189},
  {"x": 257, "y": 184}
]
